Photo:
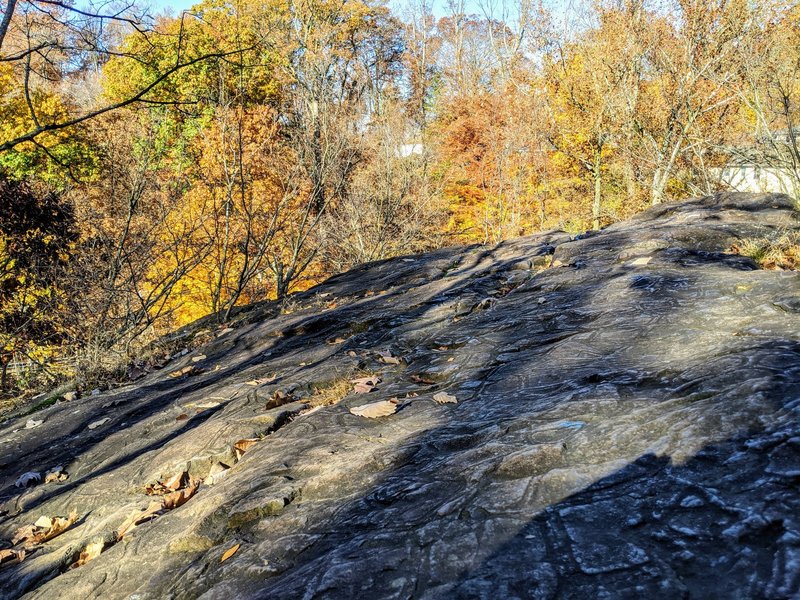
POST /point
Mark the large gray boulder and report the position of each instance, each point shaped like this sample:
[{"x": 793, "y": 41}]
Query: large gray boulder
[{"x": 626, "y": 425}]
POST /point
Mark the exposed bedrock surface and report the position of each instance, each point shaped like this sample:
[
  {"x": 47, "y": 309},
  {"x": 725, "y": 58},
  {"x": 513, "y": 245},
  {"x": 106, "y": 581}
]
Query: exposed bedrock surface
[{"x": 626, "y": 425}]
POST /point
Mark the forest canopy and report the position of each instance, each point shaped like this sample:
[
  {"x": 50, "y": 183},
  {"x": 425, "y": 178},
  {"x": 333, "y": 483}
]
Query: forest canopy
[{"x": 155, "y": 169}]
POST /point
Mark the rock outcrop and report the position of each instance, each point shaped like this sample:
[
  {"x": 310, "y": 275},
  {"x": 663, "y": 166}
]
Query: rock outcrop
[{"x": 625, "y": 424}]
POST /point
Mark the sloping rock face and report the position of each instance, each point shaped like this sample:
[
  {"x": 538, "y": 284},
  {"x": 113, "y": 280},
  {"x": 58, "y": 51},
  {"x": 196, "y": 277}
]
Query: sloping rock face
[{"x": 626, "y": 425}]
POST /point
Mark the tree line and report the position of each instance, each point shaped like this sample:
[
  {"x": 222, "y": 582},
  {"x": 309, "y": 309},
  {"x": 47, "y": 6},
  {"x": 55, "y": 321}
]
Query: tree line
[{"x": 156, "y": 169}]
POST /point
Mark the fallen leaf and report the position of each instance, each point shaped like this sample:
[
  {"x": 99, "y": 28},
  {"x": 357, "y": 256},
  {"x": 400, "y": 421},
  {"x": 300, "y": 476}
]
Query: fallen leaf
[
  {"x": 641, "y": 261},
  {"x": 364, "y": 385},
  {"x": 443, "y": 398},
  {"x": 9, "y": 555},
  {"x": 279, "y": 398},
  {"x": 182, "y": 417},
  {"x": 177, "y": 481},
  {"x": 97, "y": 424},
  {"x": 30, "y": 424},
  {"x": 371, "y": 380},
  {"x": 185, "y": 371},
  {"x": 422, "y": 379},
  {"x": 55, "y": 474},
  {"x": 44, "y": 529},
  {"x": 374, "y": 410},
  {"x": 389, "y": 358},
  {"x": 23, "y": 533},
  {"x": 262, "y": 380},
  {"x": 138, "y": 517},
  {"x": 198, "y": 358},
  {"x": 171, "y": 484},
  {"x": 43, "y": 521},
  {"x": 176, "y": 499},
  {"x": 91, "y": 551},
  {"x": 229, "y": 552},
  {"x": 26, "y": 478},
  {"x": 485, "y": 304},
  {"x": 243, "y": 446},
  {"x": 70, "y": 396}
]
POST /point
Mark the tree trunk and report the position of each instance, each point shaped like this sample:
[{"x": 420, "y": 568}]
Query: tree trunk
[
  {"x": 657, "y": 188},
  {"x": 4, "y": 377},
  {"x": 597, "y": 203}
]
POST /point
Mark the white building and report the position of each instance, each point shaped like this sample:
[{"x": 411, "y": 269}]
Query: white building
[
  {"x": 771, "y": 167},
  {"x": 753, "y": 177}
]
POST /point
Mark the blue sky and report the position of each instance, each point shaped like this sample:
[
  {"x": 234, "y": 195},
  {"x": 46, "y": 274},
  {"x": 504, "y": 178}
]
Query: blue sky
[{"x": 175, "y": 5}]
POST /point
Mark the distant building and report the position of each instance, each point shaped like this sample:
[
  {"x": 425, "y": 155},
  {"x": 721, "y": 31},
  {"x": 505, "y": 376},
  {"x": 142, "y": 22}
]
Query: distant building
[
  {"x": 756, "y": 177},
  {"x": 752, "y": 169},
  {"x": 407, "y": 150}
]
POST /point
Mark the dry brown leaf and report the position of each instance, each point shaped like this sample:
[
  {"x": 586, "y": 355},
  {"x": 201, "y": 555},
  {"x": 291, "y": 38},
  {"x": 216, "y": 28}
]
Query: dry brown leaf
[
  {"x": 55, "y": 474},
  {"x": 243, "y": 446},
  {"x": 262, "y": 380},
  {"x": 422, "y": 379},
  {"x": 138, "y": 517},
  {"x": 10, "y": 556},
  {"x": 172, "y": 484},
  {"x": 182, "y": 417},
  {"x": 229, "y": 552},
  {"x": 374, "y": 410},
  {"x": 91, "y": 551},
  {"x": 444, "y": 398},
  {"x": 389, "y": 358},
  {"x": 187, "y": 370},
  {"x": 23, "y": 533},
  {"x": 177, "y": 481},
  {"x": 44, "y": 529},
  {"x": 371, "y": 380},
  {"x": 364, "y": 385},
  {"x": 176, "y": 499}
]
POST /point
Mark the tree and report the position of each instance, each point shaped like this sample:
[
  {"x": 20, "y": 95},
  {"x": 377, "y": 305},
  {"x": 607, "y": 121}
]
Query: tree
[
  {"x": 48, "y": 41},
  {"x": 37, "y": 236},
  {"x": 770, "y": 90},
  {"x": 688, "y": 88}
]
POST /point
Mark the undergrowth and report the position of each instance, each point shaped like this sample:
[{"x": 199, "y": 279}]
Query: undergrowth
[{"x": 779, "y": 252}]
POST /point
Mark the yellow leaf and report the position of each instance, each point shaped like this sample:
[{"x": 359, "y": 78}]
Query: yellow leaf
[{"x": 229, "y": 552}]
